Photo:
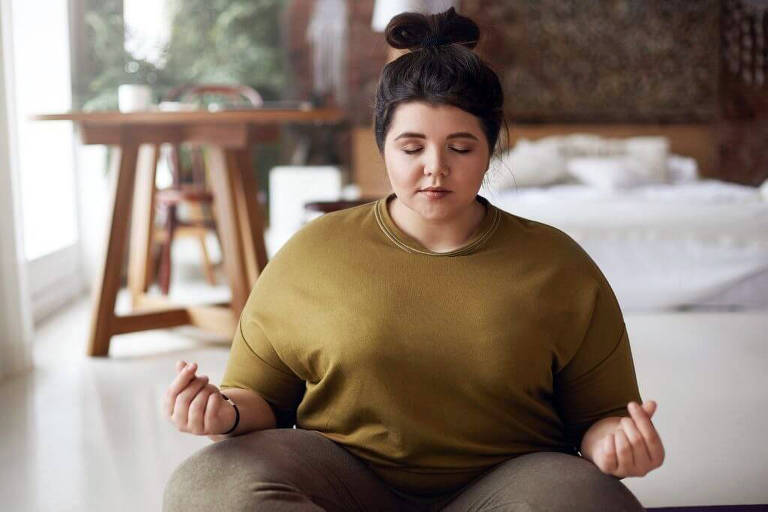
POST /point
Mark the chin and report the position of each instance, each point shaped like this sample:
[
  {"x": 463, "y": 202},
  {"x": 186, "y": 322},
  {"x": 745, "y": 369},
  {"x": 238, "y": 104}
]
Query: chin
[{"x": 435, "y": 211}]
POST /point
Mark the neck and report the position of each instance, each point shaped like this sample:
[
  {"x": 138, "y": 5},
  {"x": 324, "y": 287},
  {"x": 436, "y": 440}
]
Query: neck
[{"x": 441, "y": 235}]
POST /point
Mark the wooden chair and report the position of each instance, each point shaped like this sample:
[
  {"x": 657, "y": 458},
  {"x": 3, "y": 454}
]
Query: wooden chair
[{"x": 189, "y": 186}]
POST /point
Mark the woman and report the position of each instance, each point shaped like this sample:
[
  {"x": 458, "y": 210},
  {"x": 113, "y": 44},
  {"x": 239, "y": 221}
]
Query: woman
[{"x": 434, "y": 351}]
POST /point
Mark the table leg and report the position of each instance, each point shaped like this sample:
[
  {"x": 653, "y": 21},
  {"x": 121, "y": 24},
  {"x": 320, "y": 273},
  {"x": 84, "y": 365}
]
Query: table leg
[
  {"x": 142, "y": 222},
  {"x": 105, "y": 291},
  {"x": 224, "y": 174},
  {"x": 250, "y": 215}
]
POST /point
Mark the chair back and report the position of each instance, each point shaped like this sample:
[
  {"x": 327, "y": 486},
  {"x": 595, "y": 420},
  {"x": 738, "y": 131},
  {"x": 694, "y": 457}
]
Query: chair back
[{"x": 234, "y": 93}]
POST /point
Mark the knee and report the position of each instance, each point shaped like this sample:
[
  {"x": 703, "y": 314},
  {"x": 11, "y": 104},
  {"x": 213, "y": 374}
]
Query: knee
[
  {"x": 225, "y": 475},
  {"x": 200, "y": 481},
  {"x": 556, "y": 481}
]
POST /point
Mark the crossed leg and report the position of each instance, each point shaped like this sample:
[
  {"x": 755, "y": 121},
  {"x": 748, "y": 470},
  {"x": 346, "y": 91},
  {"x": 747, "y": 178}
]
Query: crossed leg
[
  {"x": 545, "y": 482},
  {"x": 280, "y": 470},
  {"x": 286, "y": 470}
]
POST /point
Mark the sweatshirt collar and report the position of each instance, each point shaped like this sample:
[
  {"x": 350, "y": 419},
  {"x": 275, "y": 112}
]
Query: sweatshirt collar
[{"x": 406, "y": 242}]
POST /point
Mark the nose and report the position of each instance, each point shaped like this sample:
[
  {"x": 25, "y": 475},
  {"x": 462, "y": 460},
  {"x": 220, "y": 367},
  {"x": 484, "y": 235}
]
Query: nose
[{"x": 435, "y": 162}]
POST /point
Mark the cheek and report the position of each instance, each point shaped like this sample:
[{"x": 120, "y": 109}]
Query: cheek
[
  {"x": 400, "y": 166},
  {"x": 474, "y": 168}
]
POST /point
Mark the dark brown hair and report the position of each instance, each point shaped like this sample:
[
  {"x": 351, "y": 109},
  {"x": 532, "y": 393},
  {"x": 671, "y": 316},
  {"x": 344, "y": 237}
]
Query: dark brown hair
[{"x": 441, "y": 68}]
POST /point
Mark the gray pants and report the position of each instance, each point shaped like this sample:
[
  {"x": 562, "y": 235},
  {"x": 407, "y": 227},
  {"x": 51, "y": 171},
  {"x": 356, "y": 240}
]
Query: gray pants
[{"x": 286, "y": 469}]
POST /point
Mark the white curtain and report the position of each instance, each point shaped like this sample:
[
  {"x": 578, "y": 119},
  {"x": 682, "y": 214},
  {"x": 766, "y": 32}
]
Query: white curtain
[
  {"x": 327, "y": 33},
  {"x": 15, "y": 318},
  {"x": 385, "y": 10}
]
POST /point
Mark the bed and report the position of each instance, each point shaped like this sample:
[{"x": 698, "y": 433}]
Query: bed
[{"x": 673, "y": 239}]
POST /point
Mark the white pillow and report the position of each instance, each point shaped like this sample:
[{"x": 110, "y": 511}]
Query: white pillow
[
  {"x": 682, "y": 169},
  {"x": 609, "y": 172},
  {"x": 546, "y": 161},
  {"x": 585, "y": 144},
  {"x": 764, "y": 190},
  {"x": 652, "y": 151},
  {"x": 528, "y": 164}
]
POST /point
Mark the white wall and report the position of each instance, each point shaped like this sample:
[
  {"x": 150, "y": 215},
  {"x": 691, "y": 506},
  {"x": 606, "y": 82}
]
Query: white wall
[
  {"x": 15, "y": 318},
  {"x": 94, "y": 201}
]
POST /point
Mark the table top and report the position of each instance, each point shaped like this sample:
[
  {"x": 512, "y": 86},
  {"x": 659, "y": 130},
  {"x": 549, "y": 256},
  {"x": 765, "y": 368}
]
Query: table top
[{"x": 255, "y": 115}]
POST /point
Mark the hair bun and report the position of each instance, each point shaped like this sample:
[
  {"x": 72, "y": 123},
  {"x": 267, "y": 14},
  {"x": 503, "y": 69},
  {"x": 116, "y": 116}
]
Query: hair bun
[{"x": 413, "y": 30}]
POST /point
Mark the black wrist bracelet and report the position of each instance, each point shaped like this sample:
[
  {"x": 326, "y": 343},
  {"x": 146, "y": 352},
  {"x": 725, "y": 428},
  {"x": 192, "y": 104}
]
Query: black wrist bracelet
[{"x": 237, "y": 415}]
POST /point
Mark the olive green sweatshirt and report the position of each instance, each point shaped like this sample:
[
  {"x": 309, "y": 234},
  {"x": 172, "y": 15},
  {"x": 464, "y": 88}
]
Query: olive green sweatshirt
[{"x": 433, "y": 367}]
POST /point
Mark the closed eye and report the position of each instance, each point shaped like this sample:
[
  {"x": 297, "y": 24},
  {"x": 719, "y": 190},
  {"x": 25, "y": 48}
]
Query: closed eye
[{"x": 410, "y": 152}]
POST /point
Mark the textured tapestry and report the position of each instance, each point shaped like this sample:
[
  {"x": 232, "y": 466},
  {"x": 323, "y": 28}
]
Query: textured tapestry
[{"x": 606, "y": 60}]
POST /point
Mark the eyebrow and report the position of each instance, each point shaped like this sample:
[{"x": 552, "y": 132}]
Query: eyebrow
[{"x": 422, "y": 136}]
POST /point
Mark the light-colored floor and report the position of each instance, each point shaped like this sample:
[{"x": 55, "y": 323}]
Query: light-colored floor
[{"x": 88, "y": 433}]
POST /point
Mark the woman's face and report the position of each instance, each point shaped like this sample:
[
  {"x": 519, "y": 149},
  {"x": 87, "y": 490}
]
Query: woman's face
[{"x": 435, "y": 146}]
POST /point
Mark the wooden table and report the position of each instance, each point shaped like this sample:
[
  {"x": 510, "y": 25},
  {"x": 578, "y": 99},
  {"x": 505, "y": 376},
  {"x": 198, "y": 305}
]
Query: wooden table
[{"x": 228, "y": 137}]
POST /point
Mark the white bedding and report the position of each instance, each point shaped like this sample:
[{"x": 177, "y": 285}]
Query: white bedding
[{"x": 702, "y": 243}]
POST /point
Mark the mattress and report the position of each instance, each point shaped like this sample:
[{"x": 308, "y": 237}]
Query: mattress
[{"x": 696, "y": 245}]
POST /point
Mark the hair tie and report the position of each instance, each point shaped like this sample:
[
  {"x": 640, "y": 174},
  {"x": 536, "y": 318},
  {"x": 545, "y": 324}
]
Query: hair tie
[
  {"x": 434, "y": 40},
  {"x": 237, "y": 415}
]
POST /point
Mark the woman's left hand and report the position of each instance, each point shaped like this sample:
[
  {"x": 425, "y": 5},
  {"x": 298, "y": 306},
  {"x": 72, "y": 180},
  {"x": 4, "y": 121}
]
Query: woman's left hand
[{"x": 634, "y": 448}]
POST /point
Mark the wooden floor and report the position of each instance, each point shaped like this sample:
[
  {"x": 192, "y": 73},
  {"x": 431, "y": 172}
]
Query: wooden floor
[{"x": 89, "y": 434}]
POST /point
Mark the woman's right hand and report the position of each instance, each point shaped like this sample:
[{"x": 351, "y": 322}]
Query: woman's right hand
[{"x": 195, "y": 406}]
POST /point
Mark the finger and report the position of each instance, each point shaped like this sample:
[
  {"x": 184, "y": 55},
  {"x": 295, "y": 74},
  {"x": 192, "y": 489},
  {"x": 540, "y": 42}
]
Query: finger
[
  {"x": 213, "y": 409},
  {"x": 623, "y": 453},
  {"x": 610, "y": 460},
  {"x": 183, "y": 399},
  {"x": 168, "y": 400},
  {"x": 640, "y": 455},
  {"x": 648, "y": 431},
  {"x": 650, "y": 407},
  {"x": 180, "y": 382},
  {"x": 196, "y": 416}
]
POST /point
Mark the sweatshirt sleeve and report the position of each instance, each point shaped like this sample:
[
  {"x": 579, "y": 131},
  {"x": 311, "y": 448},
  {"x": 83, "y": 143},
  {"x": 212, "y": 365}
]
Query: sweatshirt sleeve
[
  {"x": 254, "y": 364},
  {"x": 599, "y": 380}
]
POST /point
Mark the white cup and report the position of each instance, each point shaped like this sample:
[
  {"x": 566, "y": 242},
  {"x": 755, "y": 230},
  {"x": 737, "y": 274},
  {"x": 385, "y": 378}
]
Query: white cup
[{"x": 134, "y": 97}]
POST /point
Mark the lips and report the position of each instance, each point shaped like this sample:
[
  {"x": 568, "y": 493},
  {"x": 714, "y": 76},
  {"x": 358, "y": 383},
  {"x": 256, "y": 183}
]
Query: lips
[
  {"x": 434, "y": 189},
  {"x": 434, "y": 194}
]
